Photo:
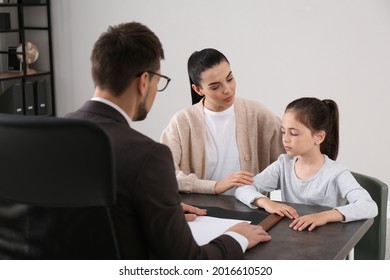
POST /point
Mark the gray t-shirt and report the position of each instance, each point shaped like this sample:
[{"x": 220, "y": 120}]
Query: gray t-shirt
[{"x": 333, "y": 186}]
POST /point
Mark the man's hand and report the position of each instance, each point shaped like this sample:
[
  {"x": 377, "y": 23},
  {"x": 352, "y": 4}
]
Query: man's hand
[
  {"x": 191, "y": 212},
  {"x": 254, "y": 234}
]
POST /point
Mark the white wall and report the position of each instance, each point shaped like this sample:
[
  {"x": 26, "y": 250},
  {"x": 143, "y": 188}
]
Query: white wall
[{"x": 279, "y": 50}]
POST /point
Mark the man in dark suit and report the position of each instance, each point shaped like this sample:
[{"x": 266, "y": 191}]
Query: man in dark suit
[{"x": 148, "y": 216}]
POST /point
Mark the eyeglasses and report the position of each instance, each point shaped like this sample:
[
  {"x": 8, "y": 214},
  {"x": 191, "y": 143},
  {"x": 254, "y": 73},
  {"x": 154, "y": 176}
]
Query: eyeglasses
[{"x": 162, "y": 83}]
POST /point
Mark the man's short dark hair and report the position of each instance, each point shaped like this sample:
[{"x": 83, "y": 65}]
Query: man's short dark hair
[{"x": 123, "y": 52}]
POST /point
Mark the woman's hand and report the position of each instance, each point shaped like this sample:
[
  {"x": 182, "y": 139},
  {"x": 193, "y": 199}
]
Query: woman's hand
[{"x": 235, "y": 179}]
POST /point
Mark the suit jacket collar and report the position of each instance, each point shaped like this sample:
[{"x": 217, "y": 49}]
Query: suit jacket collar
[{"x": 104, "y": 110}]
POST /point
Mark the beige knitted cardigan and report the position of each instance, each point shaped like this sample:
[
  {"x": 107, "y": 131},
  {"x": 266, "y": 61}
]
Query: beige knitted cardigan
[{"x": 258, "y": 139}]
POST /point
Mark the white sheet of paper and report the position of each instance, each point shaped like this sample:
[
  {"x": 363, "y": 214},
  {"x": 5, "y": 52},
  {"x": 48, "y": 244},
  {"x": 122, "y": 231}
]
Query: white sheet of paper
[{"x": 205, "y": 228}]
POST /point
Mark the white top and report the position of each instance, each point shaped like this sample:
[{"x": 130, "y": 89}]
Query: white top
[
  {"x": 333, "y": 186},
  {"x": 221, "y": 145}
]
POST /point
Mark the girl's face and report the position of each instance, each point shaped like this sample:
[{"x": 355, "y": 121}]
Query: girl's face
[
  {"x": 218, "y": 86},
  {"x": 299, "y": 140}
]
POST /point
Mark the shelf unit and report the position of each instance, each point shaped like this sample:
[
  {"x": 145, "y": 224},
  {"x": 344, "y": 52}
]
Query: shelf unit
[{"x": 30, "y": 21}]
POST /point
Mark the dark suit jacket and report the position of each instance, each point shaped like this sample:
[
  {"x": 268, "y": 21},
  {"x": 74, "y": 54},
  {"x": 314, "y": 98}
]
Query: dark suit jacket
[{"x": 148, "y": 217}]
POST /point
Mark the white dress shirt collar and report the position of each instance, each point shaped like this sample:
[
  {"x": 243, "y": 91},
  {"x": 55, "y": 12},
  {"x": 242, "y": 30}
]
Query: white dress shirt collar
[{"x": 113, "y": 105}]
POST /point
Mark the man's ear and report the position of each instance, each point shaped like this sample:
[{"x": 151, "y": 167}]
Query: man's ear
[
  {"x": 197, "y": 89},
  {"x": 319, "y": 137},
  {"x": 143, "y": 84}
]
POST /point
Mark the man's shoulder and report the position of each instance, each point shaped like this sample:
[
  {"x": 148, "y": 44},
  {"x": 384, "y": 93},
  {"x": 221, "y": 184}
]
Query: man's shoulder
[
  {"x": 74, "y": 115},
  {"x": 117, "y": 129}
]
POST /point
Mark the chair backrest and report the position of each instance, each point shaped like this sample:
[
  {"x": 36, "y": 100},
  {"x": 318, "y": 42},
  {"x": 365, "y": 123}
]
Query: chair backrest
[
  {"x": 373, "y": 244},
  {"x": 57, "y": 183}
]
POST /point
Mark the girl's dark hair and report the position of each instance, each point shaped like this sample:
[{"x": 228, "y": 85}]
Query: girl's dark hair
[
  {"x": 199, "y": 62},
  {"x": 319, "y": 115}
]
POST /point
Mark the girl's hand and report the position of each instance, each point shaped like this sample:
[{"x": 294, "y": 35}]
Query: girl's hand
[
  {"x": 276, "y": 207},
  {"x": 314, "y": 220}
]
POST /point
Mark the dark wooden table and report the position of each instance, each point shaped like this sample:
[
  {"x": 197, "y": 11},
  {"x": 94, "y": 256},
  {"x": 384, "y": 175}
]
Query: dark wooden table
[{"x": 329, "y": 242}]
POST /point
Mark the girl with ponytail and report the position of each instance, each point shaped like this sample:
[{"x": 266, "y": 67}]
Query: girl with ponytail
[{"x": 308, "y": 172}]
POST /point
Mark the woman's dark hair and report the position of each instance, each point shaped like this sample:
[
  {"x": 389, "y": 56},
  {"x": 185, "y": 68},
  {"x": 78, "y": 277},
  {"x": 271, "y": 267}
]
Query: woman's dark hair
[
  {"x": 199, "y": 62},
  {"x": 319, "y": 115}
]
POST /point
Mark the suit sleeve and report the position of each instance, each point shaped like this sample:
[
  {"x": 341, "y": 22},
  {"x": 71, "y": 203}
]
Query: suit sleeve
[{"x": 159, "y": 206}]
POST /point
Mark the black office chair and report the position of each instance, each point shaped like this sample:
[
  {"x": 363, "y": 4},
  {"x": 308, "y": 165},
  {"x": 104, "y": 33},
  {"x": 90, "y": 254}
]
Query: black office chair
[
  {"x": 57, "y": 184},
  {"x": 372, "y": 246}
]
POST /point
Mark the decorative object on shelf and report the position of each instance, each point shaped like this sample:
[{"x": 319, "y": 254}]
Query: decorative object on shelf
[{"x": 32, "y": 54}]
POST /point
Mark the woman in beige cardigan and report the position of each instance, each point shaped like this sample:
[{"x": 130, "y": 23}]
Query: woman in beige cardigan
[{"x": 221, "y": 141}]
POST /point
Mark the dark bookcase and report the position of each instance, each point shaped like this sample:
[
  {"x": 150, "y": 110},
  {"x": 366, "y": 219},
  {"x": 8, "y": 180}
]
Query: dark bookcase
[{"x": 25, "y": 26}]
